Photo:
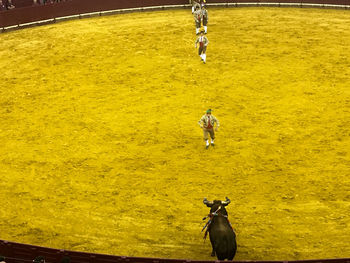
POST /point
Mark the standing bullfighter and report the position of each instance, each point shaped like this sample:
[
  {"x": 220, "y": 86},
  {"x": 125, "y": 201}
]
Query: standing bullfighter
[
  {"x": 194, "y": 4},
  {"x": 203, "y": 43},
  {"x": 205, "y": 19},
  {"x": 197, "y": 15},
  {"x": 207, "y": 123}
]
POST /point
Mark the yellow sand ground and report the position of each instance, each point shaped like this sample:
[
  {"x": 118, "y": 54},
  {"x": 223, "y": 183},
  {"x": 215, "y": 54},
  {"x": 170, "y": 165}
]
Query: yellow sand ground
[{"x": 101, "y": 151}]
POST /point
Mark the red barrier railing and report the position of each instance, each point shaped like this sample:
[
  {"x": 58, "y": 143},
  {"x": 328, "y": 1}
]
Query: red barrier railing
[
  {"x": 22, "y": 253},
  {"x": 29, "y": 14},
  {"x": 24, "y": 15}
]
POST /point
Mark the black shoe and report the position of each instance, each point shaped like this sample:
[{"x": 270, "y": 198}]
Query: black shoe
[
  {"x": 206, "y": 147},
  {"x": 212, "y": 144}
]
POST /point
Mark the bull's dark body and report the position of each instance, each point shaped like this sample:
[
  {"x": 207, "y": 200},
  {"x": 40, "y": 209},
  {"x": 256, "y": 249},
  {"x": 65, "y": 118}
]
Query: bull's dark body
[{"x": 221, "y": 234}]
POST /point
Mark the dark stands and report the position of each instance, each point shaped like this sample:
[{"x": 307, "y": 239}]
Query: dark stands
[
  {"x": 2, "y": 6},
  {"x": 25, "y": 3},
  {"x": 6, "y": 5}
]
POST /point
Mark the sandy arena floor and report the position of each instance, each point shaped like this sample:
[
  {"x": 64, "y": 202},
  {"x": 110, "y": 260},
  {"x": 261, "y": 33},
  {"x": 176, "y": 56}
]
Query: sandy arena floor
[{"x": 101, "y": 151}]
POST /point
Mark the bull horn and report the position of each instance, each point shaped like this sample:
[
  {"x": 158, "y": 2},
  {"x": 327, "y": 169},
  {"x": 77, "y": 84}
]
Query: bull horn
[
  {"x": 225, "y": 203},
  {"x": 207, "y": 203}
]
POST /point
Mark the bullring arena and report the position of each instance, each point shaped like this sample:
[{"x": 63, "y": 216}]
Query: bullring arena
[{"x": 101, "y": 151}]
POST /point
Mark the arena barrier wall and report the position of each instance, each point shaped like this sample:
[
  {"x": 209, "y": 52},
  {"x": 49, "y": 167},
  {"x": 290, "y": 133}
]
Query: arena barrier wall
[
  {"x": 69, "y": 9},
  {"x": 75, "y": 8},
  {"x": 22, "y": 253}
]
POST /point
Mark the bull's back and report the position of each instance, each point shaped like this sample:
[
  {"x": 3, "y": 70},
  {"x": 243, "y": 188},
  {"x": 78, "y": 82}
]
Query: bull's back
[{"x": 224, "y": 241}]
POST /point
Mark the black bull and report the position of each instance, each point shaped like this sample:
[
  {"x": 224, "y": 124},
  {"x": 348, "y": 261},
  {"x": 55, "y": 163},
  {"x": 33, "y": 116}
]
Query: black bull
[{"x": 222, "y": 236}]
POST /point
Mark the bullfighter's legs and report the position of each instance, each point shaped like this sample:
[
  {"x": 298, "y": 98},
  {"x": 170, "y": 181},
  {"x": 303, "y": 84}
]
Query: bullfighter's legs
[
  {"x": 212, "y": 136},
  {"x": 205, "y": 135}
]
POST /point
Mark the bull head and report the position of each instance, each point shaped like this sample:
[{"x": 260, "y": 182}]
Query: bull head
[
  {"x": 226, "y": 202},
  {"x": 210, "y": 204}
]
